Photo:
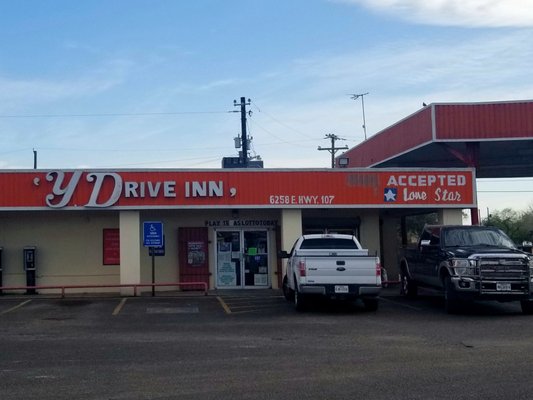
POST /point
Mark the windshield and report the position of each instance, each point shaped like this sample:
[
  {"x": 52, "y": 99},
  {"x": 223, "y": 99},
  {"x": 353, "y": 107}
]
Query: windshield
[
  {"x": 328, "y": 243},
  {"x": 476, "y": 237}
]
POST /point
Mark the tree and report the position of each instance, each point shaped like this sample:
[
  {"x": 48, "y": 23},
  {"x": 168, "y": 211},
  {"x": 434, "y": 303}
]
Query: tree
[
  {"x": 415, "y": 223},
  {"x": 517, "y": 225}
]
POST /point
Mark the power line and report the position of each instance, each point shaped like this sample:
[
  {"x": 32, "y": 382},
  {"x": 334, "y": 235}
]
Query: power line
[
  {"x": 503, "y": 180},
  {"x": 203, "y": 160},
  {"x": 282, "y": 123},
  {"x": 124, "y": 150},
  {"x": 505, "y": 191},
  {"x": 111, "y": 114},
  {"x": 270, "y": 133}
]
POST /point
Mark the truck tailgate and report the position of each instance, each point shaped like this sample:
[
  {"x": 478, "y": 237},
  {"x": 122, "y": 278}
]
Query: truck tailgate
[{"x": 341, "y": 270}]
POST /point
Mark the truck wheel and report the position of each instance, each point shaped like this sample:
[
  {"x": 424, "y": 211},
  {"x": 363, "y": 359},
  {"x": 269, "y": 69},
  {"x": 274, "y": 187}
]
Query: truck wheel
[
  {"x": 408, "y": 287},
  {"x": 300, "y": 301},
  {"x": 451, "y": 303},
  {"x": 288, "y": 293},
  {"x": 371, "y": 304},
  {"x": 527, "y": 307}
]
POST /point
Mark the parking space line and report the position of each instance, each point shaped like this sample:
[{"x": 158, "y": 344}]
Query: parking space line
[
  {"x": 118, "y": 308},
  {"x": 15, "y": 307},
  {"x": 401, "y": 304},
  {"x": 224, "y": 305},
  {"x": 253, "y": 309}
]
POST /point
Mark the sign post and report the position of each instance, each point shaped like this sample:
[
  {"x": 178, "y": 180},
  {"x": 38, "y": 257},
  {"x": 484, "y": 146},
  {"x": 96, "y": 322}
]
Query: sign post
[{"x": 153, "y": 237}]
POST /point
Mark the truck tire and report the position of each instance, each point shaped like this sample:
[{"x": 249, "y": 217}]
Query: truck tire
[
  {"x": 300, "y": 300},
  {"x": 527, "y": 307},
  {"x": 288, "y": 293},
  {"x": 371, "y": 304},
  {"x": 408, "y": 287},
  {"x": 452, "y": 304}
]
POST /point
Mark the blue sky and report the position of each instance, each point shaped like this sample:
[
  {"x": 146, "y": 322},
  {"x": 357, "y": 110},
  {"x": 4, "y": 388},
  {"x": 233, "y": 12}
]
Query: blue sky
[{"x": 151, "y": 84}]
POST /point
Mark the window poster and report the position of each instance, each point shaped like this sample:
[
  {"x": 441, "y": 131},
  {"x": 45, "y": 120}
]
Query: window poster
[
  {"x": 226, "y": 274},
  {"x": 260, "y": 279},
  {"x": 111, "y": 247},
  {"x": 196, "y": 253},
  {"x": 226, "y": 268}
]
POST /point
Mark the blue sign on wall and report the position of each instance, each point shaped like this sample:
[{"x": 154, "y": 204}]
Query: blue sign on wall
[{"x": 153, "y": 234}]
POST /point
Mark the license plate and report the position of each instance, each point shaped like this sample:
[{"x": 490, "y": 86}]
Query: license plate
[
  {"x": 503, "y": 287},
  {"x": 341, "y": 289}
]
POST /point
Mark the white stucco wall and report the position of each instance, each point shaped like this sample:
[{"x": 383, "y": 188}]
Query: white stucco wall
[
  {"x": 291, "y": 227},
  {"x": 449, "y": 216},
  {"x": 68, "y": 247},
  {"x": 370, "y": 231},
  {"x": 130, "y": 260}
]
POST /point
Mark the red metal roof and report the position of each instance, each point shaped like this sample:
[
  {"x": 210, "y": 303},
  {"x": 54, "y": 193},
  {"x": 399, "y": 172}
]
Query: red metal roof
[
  {"x": 496, "y": 138},
  {"x": 484, "y": 121}
]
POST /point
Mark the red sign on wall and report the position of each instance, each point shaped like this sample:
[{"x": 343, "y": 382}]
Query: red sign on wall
[
  {"x": 128, "y": 189},
  {"x": 111, "y": 247}
]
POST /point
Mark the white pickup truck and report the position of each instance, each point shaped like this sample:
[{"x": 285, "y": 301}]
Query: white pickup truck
[{"x": 333, "y": 266}]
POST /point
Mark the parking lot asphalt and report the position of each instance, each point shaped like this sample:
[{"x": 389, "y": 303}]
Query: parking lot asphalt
[{"x": 254, "y": 345}]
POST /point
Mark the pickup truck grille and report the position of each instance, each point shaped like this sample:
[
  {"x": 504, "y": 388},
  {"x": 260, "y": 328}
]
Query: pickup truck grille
[
  {"x": 495, "y": 270},
  {"x": 503, "y": 268}
]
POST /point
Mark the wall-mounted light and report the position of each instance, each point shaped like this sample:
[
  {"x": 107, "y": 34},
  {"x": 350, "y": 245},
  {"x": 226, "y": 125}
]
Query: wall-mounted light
[{"x": 343, "y": 162}]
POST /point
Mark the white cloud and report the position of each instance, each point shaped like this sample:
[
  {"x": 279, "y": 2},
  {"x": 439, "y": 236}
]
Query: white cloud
[
  {"x": 18, "y": 92},
  {"x": 469, "y": 13},
  {"x": 497, "y": 62},
  {"x": 38, "y": 90}
]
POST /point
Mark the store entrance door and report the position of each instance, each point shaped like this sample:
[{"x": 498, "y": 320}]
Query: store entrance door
[{"x": 242, "y": 259}]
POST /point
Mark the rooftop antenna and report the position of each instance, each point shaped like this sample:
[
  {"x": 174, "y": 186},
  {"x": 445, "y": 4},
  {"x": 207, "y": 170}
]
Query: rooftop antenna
[{"x": 362, "y": 96}]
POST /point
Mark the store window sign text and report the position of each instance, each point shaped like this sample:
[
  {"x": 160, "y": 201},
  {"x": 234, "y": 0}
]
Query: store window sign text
[
  {"x": 414, "y": 187},
  {"x": 426, "y": 180},
  {"x": 63, "y": 189}
]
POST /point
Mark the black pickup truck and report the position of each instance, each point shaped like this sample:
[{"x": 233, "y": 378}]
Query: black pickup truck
[{"x": 468, "y": 263}]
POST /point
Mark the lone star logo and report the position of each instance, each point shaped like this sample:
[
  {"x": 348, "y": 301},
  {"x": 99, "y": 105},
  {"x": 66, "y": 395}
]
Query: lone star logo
[{"x": 390, "y": 194}]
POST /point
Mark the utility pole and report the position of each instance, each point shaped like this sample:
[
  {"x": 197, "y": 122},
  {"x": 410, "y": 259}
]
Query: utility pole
[
  {"x": 333, "y": 149},
  {"x": 362, "y": 96},
  {"x": 244, "y": 137}
]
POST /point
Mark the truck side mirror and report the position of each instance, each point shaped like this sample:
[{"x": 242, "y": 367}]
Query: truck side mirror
[{"x": 283, "y": 254}]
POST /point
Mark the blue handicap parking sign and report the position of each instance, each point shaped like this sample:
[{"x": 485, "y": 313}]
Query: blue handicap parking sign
[{"x": 152, "y": 234}]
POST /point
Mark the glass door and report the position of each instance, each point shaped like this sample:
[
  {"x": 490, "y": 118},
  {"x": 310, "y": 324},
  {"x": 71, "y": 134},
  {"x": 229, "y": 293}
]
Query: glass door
[
  {"x": 242, "y": 259},
  {"x": 229, "y": 259},
  {"x": 255, "y": 258}
]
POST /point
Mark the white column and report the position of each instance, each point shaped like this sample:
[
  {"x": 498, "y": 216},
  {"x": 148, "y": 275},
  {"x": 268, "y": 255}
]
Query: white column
[
  {"x": 370, "y": 231},
  {"x": 291, "y": 229},
  {"x": 451, "y": 216},
  {"x": 391, "y": 246},
  {"x": 130, "y": 249}
]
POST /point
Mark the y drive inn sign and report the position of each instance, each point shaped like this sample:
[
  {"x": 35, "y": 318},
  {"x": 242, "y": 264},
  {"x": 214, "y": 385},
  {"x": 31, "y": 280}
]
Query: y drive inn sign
[{"x": 128, "y": 189}]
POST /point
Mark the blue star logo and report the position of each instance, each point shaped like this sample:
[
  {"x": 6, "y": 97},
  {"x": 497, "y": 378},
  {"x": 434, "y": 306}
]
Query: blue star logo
[{"x": 390, "y": 194}]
